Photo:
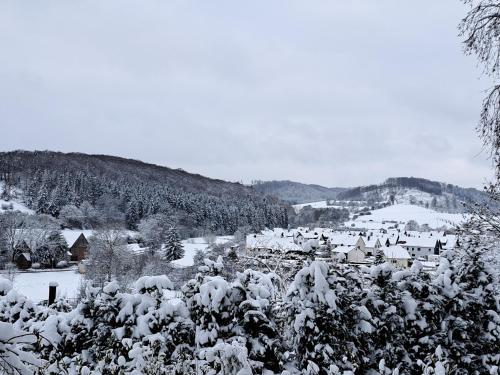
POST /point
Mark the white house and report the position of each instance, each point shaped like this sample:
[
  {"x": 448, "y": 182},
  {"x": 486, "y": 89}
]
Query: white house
[
  {"x": 449, "y": 241},
  {"x": 396, "y": 255},
  {"x": 371, "y": 245},
  {"x": 352, "y": 253},
  {"x": 422, "y": 246},
  {"x": 346, "y": 239}
]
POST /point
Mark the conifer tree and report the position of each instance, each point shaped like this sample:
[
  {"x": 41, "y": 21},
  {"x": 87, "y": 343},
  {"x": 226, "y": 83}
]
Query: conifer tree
[{"x": 173, "y": 246}]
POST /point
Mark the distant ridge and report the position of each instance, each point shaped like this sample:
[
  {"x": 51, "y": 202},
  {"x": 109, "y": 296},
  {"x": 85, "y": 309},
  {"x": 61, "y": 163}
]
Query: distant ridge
[
  {"x": 296, "y": 192},
  {"x": 412, "y": 190}
]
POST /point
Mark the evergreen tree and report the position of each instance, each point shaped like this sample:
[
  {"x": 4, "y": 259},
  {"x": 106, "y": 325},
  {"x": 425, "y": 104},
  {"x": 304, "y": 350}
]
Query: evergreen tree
[
  {"x": 379, "y": 256},
  {"x": 173, "y": 246},
  {"x": 322, "y": 319},
  {"x": 470, "y": 332}
]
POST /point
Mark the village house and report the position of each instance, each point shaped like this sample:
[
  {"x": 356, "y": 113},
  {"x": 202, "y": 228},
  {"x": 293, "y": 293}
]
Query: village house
[
  {"x": 397, "y": 255},
  {"x": 449, "y": 241},
  {"x": 347, "y": 239},
  {"x": 79, "y": 249},
  {"x": 352, "y": 254},
  {"x": 22, "y": 256},
  {"x": 371, "y": 245},
  {"x": 422, "y": 246}
]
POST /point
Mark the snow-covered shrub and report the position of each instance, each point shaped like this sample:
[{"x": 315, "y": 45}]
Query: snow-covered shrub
[
  {"x": 226, "y": 358},
  {"x": 322, "y": 318},
  {"x": 257, "y": 316},
  {"x": 15, "y": 354},
  {"x": 62, "y": 264},
  {"x": 469, "y": 335},
  {"x": 110, "y": 331},
  {"x": 235, "y": 330}
]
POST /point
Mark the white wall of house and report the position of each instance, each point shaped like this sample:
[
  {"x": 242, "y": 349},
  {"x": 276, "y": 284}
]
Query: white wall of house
[
  {"x": 400, "y": 263},
  {"x": 419, "y": 251},
  {"x": 355, "y": 256}
]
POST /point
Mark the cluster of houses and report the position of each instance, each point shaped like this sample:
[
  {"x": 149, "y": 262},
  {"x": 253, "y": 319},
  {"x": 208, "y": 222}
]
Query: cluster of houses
[{"x": 398, "y": 248}]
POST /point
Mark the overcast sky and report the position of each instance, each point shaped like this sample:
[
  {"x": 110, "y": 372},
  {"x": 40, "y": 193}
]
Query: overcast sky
[{"x": 338, "y": 93}]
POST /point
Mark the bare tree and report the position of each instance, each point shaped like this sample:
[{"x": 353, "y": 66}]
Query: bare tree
[
  {"x": 107, "y": 255},
  {"x": 481, "y": 30}
]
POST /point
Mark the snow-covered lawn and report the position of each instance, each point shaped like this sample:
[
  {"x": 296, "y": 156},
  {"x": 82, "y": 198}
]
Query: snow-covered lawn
[
  {"x": 406, "y": 212},
  {"x": 192, "y": 245},
  {"x": 35, "y": 284}
]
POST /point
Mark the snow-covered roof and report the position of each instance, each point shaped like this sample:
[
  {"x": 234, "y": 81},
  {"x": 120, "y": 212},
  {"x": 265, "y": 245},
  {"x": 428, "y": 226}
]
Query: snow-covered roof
[
  {"x": 421, "y": 241},
  {"x": 344, "y": 239},
  {"x": 344, "y": 249},
  {"x": 449, "y": 241},
  {"x": 396, "y": 252},
  {"x": 71, "y": 235},
  {"x": 372, "y": 242},
  {"x": 271, "y": 242}
]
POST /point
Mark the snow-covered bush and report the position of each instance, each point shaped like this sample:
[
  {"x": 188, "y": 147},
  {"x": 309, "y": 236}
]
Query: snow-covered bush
[
  {"x": 323, "y": 319},
  {"x": 62, "y": 264},
  {"x": 112, "y": 332},
  {"x": 15, "y": 354},
  {"x": 235, "y": 328}
]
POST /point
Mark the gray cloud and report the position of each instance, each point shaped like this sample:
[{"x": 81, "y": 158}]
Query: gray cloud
[{"x": 336, "y": 93}]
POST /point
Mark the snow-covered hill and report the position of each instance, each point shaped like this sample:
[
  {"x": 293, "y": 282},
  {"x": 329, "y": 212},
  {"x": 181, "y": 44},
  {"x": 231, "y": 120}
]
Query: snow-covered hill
[
  {"x": 402, "y": 213},
  {"x": 416, "y": 191}
]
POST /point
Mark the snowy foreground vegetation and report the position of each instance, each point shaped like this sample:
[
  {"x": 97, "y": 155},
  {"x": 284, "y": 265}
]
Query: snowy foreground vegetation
[{"x": 331, "y": 319}]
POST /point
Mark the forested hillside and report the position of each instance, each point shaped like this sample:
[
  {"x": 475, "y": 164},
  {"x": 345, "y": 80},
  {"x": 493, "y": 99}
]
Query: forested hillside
[{"x": 99, "y": 190}]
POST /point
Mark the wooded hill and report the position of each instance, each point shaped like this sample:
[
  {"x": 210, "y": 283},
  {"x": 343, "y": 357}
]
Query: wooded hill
[{"x": 119, "y": 190}]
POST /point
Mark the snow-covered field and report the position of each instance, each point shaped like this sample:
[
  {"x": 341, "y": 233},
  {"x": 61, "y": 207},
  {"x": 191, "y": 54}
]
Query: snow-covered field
[
  {"x": 35, "y": 284},
  {"x": 403, "y": 213}
]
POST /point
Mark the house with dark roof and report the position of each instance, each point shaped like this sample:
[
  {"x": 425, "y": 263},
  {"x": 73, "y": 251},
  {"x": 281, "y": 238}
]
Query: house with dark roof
[
  {"x": 22, "y": 256},
  {"x": 79, "y": 249}
]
